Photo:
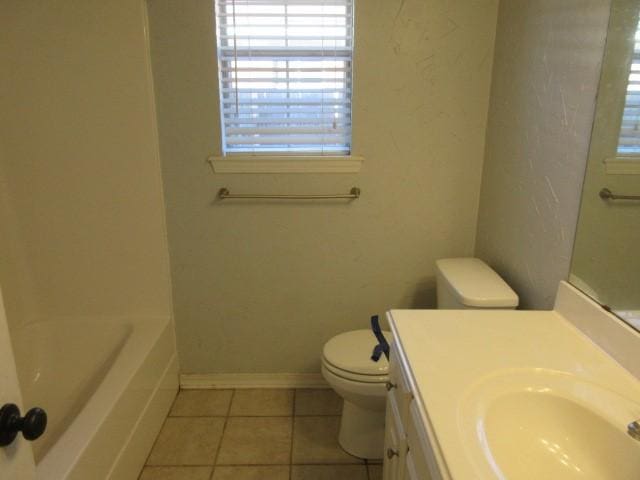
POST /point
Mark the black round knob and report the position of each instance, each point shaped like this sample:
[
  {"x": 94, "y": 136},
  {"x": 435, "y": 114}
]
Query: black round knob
[{"x": 32, "y": 425}]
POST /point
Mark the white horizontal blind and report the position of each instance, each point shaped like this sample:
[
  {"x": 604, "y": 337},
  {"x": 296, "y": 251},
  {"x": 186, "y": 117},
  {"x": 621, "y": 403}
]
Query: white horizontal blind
[
  {"x": 629, "y": 140},
  {"x": 285, "y": 75}
]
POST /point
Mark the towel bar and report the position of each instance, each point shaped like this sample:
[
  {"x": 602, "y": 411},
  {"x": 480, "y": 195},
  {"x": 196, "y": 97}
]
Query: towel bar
[
  {"x": 607, "y": 194},
  {"x": 224, "y": 194}
]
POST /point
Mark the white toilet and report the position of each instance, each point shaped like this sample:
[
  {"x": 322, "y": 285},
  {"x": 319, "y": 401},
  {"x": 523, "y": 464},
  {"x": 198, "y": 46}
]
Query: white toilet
[{"x": 346, "y": 359}]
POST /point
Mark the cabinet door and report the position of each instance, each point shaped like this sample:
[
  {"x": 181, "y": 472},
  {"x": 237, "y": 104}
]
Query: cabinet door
[
  {"x": 395, "y": 443},
  {"x": 399, "y": 385},
  {"x": 411, "y": 473},
  {"x": 390, "y": 465}
]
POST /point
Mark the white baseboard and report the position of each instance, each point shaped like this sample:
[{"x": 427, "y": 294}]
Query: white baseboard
[{"x": 252, "y": 380}]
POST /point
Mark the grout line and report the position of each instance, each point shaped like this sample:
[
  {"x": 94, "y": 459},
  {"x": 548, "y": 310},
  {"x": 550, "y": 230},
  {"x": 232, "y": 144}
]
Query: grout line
[
  {"x": 197, "y": 416},
  {"x": 293, "y": 431},
  {"x": 314, "y": 464},
  {"x": 260, "y": 416},
  {"x": 228, "y": 416},
  {"x": 256, "y": 416},
  {"x": 224, "y": 428},
  {"x": 318, "y": 415},
  {"x": 164, "y": 422}
]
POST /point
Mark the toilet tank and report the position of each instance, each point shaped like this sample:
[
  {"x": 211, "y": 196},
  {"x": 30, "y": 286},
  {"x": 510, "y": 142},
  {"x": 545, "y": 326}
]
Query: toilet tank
[{"x": 470, "y": 283}]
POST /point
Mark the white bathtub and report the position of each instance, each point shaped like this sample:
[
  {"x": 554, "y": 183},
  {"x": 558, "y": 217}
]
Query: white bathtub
[{"x": 106, "y": 387}]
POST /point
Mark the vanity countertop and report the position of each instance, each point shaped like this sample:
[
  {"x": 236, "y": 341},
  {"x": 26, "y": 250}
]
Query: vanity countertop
[{"x": 453, "y": 354}]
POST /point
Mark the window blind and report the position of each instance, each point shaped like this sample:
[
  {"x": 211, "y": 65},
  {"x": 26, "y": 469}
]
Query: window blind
[
  {"x": 285, "y": 75},
  {"x": 629, "y": 140}
]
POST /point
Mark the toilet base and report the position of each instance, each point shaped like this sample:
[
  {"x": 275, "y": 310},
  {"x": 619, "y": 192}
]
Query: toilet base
[{"x": 362, "y": 431}]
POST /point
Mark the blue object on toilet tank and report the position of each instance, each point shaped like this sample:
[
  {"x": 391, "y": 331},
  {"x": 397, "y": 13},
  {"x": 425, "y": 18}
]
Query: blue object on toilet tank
[{"x": 383, "y": 345}]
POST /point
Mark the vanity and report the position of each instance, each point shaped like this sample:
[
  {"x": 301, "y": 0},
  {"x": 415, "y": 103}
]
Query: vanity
[{"x": 503, "y": 394}]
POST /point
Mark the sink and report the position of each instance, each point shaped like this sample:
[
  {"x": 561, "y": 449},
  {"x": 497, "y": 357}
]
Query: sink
[
  {"x": 541, "y": 424},
  {"x": 541, "y": 435}
]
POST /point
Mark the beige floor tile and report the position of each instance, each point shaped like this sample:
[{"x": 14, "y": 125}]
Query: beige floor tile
[
  {"x": 262, "y": 403},
  {"x": 201, "y": 403},
  {"x": 328, "y": 472},
  {"x": 272, "y": 472},
  {"x": 175, "y": 473},
  {"x": 375, "y": 472},
  {"x": 256, "y": 441},
  {"x": 187, "y": 441},
  {"x": 318, "y": 401},
  {"x": 315, "y": 440}
]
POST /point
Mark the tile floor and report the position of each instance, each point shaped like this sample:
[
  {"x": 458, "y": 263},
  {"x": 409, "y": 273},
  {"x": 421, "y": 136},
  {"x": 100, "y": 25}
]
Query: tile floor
[{"x": 254, "y": 434}]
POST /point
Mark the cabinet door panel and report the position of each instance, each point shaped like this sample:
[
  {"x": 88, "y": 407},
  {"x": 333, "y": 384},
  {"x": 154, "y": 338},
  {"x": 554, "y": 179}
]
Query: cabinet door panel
[
  {"x": 411, "y": 473},
  {"x": 390, "y": 465},
  {"x": 399, "y": 384},
  {"x": 395, "y": 449}
]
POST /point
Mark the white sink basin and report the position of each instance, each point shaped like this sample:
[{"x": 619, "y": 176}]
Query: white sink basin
[
  {"x": 540, "y": 424},
  {"x": 540, "y": 435}
]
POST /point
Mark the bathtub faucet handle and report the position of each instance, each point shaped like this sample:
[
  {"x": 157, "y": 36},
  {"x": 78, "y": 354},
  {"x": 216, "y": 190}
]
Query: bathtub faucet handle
[{"x": 32, "y": 425}]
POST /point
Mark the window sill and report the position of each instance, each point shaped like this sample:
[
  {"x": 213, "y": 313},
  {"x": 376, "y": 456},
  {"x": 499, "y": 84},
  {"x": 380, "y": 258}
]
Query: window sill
[
  {"x": 622, "y": 166},
  {"x": 285, "y": 164}
]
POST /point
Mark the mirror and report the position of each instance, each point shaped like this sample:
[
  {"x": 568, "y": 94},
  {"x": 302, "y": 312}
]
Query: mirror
[{"x": 606, "y": 256}]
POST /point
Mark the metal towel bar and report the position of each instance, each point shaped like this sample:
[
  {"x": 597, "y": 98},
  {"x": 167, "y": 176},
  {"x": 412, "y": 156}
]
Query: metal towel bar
[
  {"x": 607, "y": 194},
  {"x": 353, "y": 194}
]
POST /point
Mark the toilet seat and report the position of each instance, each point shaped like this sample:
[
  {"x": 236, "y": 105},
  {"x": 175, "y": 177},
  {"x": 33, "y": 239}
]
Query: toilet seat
[
  {"x": 354, "y": 377},
  {"x": 348, "y": 356}
]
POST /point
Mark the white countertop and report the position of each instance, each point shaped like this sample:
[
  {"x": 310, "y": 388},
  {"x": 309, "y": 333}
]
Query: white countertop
[{"x": 451, "y": 352}]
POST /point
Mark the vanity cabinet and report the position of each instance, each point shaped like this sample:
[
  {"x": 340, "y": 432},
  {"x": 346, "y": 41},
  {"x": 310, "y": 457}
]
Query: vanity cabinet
[
  {"x": 407, "y": 455},
  {"x": 471, "y": 392}
]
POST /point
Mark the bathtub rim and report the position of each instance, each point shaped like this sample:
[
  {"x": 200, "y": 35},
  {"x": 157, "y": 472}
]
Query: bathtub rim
[{"x": 65, "y": 454}]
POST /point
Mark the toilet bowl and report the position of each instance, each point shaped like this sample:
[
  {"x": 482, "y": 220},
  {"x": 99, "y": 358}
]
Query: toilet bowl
[
  {"x": 348, "y": 368},
  {"x": 346, "y": 358}
]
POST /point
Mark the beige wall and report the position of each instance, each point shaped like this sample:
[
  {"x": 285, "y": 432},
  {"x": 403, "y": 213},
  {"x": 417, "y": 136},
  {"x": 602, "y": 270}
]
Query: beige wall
[
  {"x": 81, "y": 209},
  {"x": 259, "y": 286},
  {"x": 15, "y": 273},
  {"x": 605, "y": 256},
  {"x": 545, "y": 78}
]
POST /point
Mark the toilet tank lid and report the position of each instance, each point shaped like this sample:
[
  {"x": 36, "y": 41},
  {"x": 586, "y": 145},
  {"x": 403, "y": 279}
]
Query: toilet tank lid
[{"x": 475, "y": 284}]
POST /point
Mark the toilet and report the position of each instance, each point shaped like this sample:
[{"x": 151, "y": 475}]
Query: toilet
[{"x": 461, "y": 283}]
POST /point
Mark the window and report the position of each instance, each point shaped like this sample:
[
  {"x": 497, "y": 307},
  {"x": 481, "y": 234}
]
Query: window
[
  {"x": 285, "y": 76},
  {"x": 629, "y": 139}
]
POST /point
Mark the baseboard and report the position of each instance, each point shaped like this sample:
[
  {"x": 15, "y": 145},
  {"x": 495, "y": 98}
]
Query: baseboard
[{"x": 252, "y": 380}]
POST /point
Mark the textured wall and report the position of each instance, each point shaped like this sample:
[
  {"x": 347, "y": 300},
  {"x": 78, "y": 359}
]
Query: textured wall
[
  {"x": 81, "y": 210},
  {"x": 545, "y": 79},
  {"x": 259, "y": 286},
  {"x": 605, "y": 255}
]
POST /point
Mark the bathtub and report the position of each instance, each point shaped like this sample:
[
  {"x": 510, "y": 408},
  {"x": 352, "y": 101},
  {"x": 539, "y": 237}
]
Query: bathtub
[{"x": 106, "y": 387}]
